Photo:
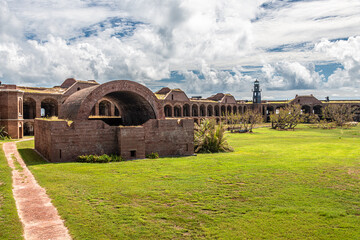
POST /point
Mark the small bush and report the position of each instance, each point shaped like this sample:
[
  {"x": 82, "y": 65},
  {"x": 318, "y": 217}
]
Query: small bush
[
  {"x": 116, "y": 158},
  {"x": 3, "y": 134},
  {"x": 152, "y": 155},
  {"x": 210, "y": 138},
  {"x": 99, "y": 159}
]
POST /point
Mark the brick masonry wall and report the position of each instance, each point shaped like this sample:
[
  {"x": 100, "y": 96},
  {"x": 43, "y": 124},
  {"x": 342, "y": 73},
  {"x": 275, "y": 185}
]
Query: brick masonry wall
[
  {"x": 58, "y": 142},
  {"x": 170, "y": 137},
  {"x": 131, "y": 142},
  {"x": 10, "y": 116}
]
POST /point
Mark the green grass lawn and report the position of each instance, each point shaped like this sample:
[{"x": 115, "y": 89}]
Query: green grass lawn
[
  {"x": 10, "y": 226},
  {"x": 302, "y": 184}
]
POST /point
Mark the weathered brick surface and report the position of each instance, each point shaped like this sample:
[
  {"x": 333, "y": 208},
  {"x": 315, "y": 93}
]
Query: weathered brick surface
[
  {"x": 58, "y": 142},
  {"x": 170, "y": 137},
  {"x": 11, "y": 110},
  {"x": 131, "y": 140}
]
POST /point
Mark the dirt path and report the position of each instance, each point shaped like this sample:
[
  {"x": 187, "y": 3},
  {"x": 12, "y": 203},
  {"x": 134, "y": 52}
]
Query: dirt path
[{"x": 39, "y": 217}]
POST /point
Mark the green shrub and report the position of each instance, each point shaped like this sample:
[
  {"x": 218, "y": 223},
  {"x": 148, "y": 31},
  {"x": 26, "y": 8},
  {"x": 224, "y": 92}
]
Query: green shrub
[
  {"x": 152, "y": 155},
  {"x": 116, "y": 158},
  {"x": 99, "y": 159},
  {"x": 209, "y": 138},
  {"x": 3, "y": 134}
]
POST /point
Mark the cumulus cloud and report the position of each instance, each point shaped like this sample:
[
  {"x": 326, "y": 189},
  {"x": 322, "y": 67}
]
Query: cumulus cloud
[
  {"x": 169, "y": 35},
  {"x": 210, "y": 80},
  {"x": 348, "y": 54},
  {"x": 43, "y": 42},
  {"x": 291, "y": 75}
]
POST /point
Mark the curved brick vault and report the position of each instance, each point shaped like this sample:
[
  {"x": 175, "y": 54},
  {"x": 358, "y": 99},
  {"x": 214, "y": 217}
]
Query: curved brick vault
[{"x": 137, "y": 103}]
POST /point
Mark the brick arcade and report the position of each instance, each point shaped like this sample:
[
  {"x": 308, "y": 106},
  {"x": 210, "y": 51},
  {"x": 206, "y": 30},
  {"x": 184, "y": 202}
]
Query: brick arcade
[{"x": 124, "y": 117}]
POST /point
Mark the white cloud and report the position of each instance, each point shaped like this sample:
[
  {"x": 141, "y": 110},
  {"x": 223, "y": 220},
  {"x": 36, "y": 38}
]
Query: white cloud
[
  {"x": 211, "y": 80},
  {"x": 348, "y": 54},
  {"x": 209, "y": 36},
  {"x": 291, "y": 75}
]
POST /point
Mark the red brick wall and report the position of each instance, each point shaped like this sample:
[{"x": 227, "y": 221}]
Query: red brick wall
[
  {"x": 170, "y": 137},
  {"x": 131, "y": 139},
  {"x": 10, "y": 117},
  {"x": 58, "y": 142}
]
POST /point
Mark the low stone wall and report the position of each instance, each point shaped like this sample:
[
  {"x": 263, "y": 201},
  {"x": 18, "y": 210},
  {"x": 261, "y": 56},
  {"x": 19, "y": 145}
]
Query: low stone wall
[{"x": 59, "y": 142}]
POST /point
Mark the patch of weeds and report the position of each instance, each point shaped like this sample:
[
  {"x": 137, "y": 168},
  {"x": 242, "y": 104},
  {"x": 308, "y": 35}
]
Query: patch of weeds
[
  {"x": 152, "y": 155},
  {"x": 99, "y": 159},
  {"x": 16, "y": 163}
]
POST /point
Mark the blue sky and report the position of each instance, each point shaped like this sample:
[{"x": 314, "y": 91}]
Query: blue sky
[{"x": 200, "y": 46}]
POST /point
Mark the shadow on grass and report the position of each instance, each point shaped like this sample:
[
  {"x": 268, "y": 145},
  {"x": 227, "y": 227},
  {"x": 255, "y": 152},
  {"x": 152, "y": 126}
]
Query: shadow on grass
[{"x": 31, "y": 157}]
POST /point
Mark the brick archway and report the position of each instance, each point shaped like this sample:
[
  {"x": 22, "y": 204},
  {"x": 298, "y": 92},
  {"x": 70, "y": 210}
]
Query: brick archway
[{"x": 138, "y": 104}]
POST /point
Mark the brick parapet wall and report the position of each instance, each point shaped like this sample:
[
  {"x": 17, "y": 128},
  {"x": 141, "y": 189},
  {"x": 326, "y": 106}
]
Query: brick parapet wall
[{"x": 58, "y": 142}]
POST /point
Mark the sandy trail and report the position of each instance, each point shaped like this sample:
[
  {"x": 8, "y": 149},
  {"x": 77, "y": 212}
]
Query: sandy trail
[{"x": 39, "y": 217}]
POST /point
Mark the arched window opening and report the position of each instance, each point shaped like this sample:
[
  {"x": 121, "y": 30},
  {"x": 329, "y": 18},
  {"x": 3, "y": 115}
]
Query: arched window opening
[
  {"x": 168, "y": 111},
  {"x": 217, "y": 111},
  {"x": 202, "y": 111},
  {"x": 210, "y": 111},
  {"x": 195, "y": 110},
  {"x": 177, "y": 111},
  {"x": 228, "y": 109},
  {"x": 223, "y": 111},
  {"x": 29, "y": 108},
  {"x": 105, "y": 108},
  {"x": 49, "y": 107},
  {"x": 186, "y": 110}
]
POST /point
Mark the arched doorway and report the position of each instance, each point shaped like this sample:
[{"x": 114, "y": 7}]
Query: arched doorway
[
  {"x": 177, "y": 111},
  {"x": 105, "y": 108},
  {"x": 210, "y": 111},
  {"x": 29, "y": 108},
  {"x": 202, "y": 110},
  {"x": 49, "y": 107},
  {"x": 168, "y": 111},
  {"x": 228, "y": 109},
  {"x": 186, "y": 110},
  {"x": 195, "y": 110},
  {"x": 223, "y": 111},
  {"x": 217, "y": 110},
  {"x": 305, "y": 109}
]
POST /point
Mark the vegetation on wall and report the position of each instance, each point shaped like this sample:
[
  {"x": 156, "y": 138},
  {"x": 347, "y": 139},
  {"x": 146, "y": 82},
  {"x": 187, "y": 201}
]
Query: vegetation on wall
[{"x": 209, "y": 137}]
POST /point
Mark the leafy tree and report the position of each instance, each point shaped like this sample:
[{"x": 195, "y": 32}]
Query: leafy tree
[
  {"x": 249, "y": 119},
  {"x": 209, "y": 137},
  {"x": 287, "y": 118},
  {"x": 338, "y": 113},
  {"x": 246, "y": 121}
]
